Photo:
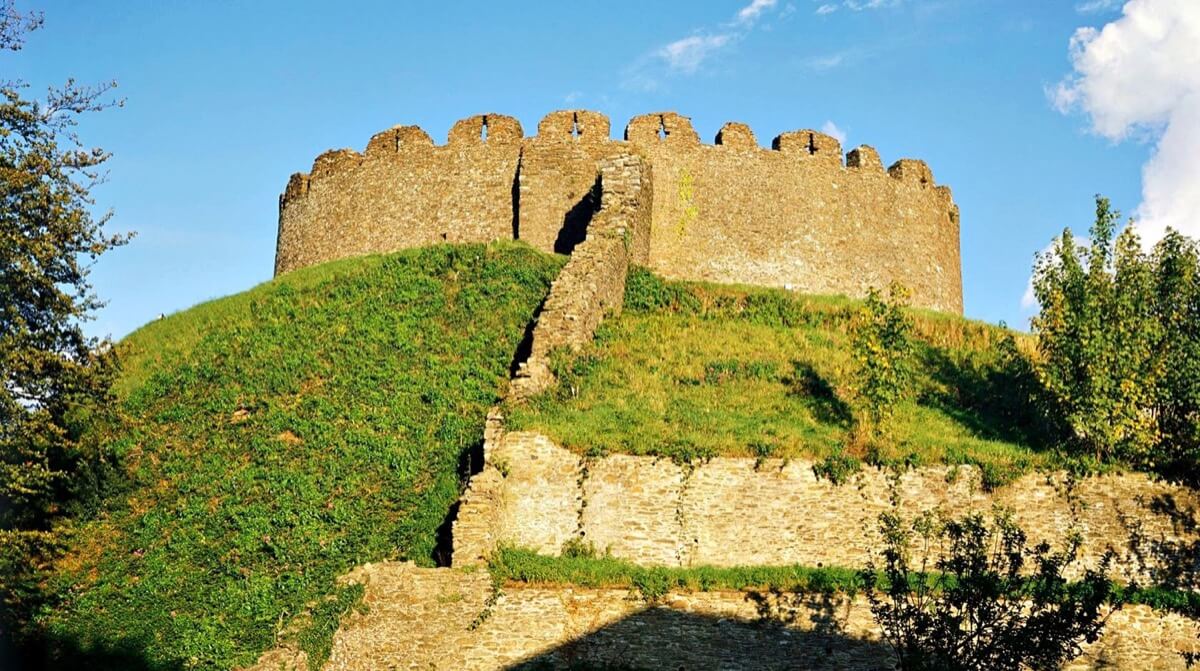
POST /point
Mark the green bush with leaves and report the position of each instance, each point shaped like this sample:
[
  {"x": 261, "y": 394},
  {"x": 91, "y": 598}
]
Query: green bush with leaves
[
  {"x": 971, "y": 595},
  {"x": 882, "y": 347},
  {"x": 1118, "y": 346}
]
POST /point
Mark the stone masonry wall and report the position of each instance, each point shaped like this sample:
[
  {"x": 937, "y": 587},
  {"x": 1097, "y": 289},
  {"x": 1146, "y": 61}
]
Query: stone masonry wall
[
  {"x": 402, "y": 192},
  {"x": 453, "y": 620},
  {"x": 589, "y": 287},
  {"x": 794, "y": 215},
  {"x": 592, "y": 284},
  {"x": 731, "y": 512}
]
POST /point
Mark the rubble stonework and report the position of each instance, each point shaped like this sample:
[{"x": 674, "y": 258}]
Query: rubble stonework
[
  {"x": 592, "y": 284},
  {"x": 453, "y": 620},
  {"x": 742, "y": 512},
  {"x": 795, "y": 215}
]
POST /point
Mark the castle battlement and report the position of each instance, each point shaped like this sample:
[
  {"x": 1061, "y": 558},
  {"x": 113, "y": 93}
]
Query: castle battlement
[{"x": 798, "y": 214}]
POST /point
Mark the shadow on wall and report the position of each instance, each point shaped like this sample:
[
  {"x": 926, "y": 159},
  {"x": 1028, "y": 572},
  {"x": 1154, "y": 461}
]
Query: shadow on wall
[
  {"x": 1172, "y": 563},
  {"x": 470, "y": 464},
  {"x": 661, "y": 637},
  {"x": 576, "y": 220}
]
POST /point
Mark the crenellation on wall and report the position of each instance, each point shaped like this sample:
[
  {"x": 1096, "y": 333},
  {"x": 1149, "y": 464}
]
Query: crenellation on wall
[
  {"x": 297, "y": 187},
  {"x": 397, "y": 139},
  {"x": 736, "y": 135},
  {"x": 558, "y": 193},
  {"x": 648, "y": 130},
  {"x": 334, "y": 162},
  {"x": 575, "y": 125},
  {"x": 864, "y": 157},
  {"x": 912, "y": 170},
  {"x": 484, "y": 129},
  {"x": 810, "y": 144},
  {"x": 727, "y": 212}
]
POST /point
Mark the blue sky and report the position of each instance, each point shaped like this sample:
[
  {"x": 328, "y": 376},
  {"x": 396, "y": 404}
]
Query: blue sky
[{"x": 224, "y": 100}]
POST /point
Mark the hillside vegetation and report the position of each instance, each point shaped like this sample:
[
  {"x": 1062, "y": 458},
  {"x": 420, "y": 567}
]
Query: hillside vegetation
[
  {"x": 275, "y": 439},
  {"x": 690, "y": 371}
]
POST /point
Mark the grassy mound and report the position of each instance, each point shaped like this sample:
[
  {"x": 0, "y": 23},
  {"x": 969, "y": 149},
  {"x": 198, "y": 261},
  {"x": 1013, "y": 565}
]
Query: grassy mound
[
  {"x": 692, "y": 371},
  {"x": 275, "y": 439}
]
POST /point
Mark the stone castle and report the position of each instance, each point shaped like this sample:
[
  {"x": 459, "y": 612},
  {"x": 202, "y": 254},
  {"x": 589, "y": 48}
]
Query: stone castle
[
  {"x": 731, "y": 212},
  {"x": 796, "y": 215}
]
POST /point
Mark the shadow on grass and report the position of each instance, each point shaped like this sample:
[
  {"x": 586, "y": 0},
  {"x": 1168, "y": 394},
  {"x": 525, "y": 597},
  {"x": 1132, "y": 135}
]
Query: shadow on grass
[
  {"x": 807, "y": 383},
  {"x": 46, "y": 653},
  {"x": 661, "y": 637},
  {"x": 995, "y": 399}
]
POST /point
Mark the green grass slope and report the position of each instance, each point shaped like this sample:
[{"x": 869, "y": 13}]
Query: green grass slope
[
  {"x": 275, "y": 439},
  {"x": 692, "y": 370}
]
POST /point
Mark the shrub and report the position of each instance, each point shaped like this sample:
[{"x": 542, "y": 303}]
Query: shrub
[
  {"x": 837, "y": 467},
  {"x": 976, "y": 606},
  {"x": 882, "y": 351}
]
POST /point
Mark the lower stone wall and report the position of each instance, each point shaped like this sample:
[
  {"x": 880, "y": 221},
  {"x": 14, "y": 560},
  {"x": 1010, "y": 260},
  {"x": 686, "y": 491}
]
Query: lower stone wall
[
  {"x": 454, "y": 620},
  {"x": 730, "y": 512}
]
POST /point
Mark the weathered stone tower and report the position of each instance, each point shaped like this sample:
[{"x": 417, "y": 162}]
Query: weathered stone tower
[{"x": 796, "y": 215}]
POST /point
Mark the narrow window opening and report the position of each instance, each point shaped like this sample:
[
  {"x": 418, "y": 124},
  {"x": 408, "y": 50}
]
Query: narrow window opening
[
  {"x": 662, "y": 129},
  {"x": 483, "y": 130},
  {"x": 575, "y": 132},
  {"x": 812, "y": 143}
]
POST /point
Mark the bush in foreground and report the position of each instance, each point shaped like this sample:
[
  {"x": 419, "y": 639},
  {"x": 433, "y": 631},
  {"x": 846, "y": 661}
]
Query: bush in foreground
[{"x": 971, "y": 595}]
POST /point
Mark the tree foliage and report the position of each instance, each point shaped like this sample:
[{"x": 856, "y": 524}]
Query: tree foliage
[
  {"x": 968, "y": 594},
  {"x": 882, "y": 348},
  {"x": 1118, "y": 344},
  {"x": 53, "y": 374}
]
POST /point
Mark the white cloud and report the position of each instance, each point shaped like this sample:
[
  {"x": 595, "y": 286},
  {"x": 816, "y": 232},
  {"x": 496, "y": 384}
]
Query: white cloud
[
  {"x": 572, "y": 97},
  {"x": 827, "y": 8},
  {"x": 1029, "y": 301},
  {"x": 752, "y": 11},
  {"x": 831, "y": 129},
  {"x": 859, "y": 5},
  {"x": 687, "y": 54},
  {"x": 1097, "y": 6},
  {"x": 823, "y": 63},
  {"x": 1140, "y": 76}
]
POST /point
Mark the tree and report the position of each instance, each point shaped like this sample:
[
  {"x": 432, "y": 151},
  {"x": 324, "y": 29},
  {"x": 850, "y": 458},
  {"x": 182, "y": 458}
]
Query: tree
[
  {"x": 1119, "y": 351},
  {"x": 881, "y": 345},
  {"x": 53, "y": 374},
  {"x": 964, "y": 599},
  {"x": 1176, "y": 263},
  {"x": 1097, "y": 337}
]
